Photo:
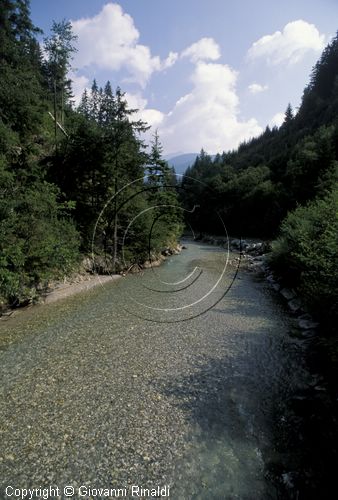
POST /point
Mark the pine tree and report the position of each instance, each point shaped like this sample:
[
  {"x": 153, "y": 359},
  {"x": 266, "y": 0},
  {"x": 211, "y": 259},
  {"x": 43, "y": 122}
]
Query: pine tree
[
  {"x": 94, "y": 101},
  {"x": 59, "y": 48},
  {"x": 37, "y": 239},
  {"x": 84, "y": 106},
  {"x": 156, "y": 163},
  {"x": 288, "y": 116},
  {"x": 124, "y": 155},
  {"x": 20, "y": 86},
  {"x": 107, "y": 110}
]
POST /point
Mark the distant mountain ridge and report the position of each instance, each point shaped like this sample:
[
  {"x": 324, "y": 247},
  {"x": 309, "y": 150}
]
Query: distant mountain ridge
[{"x": 181, "y": 162}]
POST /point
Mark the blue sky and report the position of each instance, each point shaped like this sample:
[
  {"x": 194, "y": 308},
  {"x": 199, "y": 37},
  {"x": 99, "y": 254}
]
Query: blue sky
[{"x": 205, "y": 73}]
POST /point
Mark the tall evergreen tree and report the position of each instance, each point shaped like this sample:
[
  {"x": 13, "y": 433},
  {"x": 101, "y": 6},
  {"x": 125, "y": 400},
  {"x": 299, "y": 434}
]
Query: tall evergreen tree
[
  {"x": 288, "y": 116},
  {"x": 84, "y": 106},
  {"x": 45, "y": 194},
  {"x": 59, "y": 48}
]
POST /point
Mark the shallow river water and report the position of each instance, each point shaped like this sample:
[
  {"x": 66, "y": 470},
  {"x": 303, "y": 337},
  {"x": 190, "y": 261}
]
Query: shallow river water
[{"x": 171, "y": 377}]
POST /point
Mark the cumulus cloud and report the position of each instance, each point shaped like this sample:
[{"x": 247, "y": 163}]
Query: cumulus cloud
[
  {"x": 256, "y": 88},
  {"x": 152, "y": 116},
  {"x": 208, "y": 116},
  {"x": 109, "y": 40},
  {"x": 79, "y": 84},
  {"x": 206, "y": 49},
  {"x": 170, "y": 60},
  {"x": 277, "y": 120},
  {"x": 291, "y": 45}
]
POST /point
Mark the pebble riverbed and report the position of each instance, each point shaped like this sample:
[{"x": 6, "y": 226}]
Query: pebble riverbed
[{"x": 126, "y": 385}]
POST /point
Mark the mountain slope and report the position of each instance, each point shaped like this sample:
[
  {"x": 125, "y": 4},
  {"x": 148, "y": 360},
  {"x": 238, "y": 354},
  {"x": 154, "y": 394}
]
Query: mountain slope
[{"x": 182, "y": 162}]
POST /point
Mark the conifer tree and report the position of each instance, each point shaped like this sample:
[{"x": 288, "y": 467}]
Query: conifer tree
[{"x": 59, "y": 48}]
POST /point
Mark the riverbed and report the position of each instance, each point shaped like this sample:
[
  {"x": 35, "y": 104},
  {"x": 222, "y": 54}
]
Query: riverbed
[{"x": 173, "y": 377}]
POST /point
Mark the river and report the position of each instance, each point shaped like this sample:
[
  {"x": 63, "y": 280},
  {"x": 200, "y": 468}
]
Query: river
[{"x": 171, "y": 377}]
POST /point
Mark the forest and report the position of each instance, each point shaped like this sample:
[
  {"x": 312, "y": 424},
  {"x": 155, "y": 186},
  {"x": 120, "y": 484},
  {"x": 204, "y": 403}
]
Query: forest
[
  {"x": 72, "y": 178},
  {"x": 282, "y": 186}
]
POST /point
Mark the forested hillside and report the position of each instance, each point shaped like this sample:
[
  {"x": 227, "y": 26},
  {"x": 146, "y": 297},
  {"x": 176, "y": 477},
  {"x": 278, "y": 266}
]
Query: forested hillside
[
  {"x": 283, "y": 185},
  {"x": 61, "y": 167},
  {"x": 73, "y": 179}
]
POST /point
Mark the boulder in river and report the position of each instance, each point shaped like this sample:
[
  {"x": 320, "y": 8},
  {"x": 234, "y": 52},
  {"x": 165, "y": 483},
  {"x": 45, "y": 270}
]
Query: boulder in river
[
  {"x": 288, "y": 294},
  {"x": 294, "y": 305},
  {"x": 307, "y": 324}
]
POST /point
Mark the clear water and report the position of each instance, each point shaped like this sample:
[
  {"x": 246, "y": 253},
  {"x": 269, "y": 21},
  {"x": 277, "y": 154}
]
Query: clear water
[{"x": 218, "y": 373}]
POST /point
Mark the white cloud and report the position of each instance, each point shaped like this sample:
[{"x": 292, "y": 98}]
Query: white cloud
[
  {"x": 109, "y": 40},
  {"x": 256, "y": 88},
  {"x": 208, "y": 116},
  {"x": 170, "y": 60},
  {"x": 153, "y": 117},
  {"x": 135, "y": 101},
  {"x": 206, "y": 49},
  {"x": 291, "y": 44},
  {"x": 277, "y": 120},
  {"x": 79, "y": 84}
]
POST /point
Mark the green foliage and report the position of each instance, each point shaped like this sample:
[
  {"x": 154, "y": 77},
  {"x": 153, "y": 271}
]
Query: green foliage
[
  {"x": 59, "y": 48},
  {"x": 163, "y": 198},
  {"x": 58, "y": 190},
  {"x": 38, "y": 241},
  {"x": 306, "y": 255},
  {"x": 289, "y": 170},
  {"x": 239, "y": 197},
  {"x": 102, "y": 168},
  {"x": 20, "y": 77},
  {"x": 311, "y": 168},
  {"x": 255, "y": 186}
]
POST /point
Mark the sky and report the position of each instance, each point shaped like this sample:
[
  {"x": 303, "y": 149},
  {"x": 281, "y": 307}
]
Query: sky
[{"x": 204, "y": 73}]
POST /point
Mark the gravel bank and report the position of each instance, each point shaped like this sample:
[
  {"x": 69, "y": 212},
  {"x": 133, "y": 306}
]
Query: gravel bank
[{"x": 63, "y": 290}]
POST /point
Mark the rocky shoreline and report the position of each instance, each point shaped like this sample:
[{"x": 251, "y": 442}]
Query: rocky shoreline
[
  {"x": 108, "y": 398},
  {"x": 252, "y": 255},
  {"x": 93, "y": 272},
  {"x": 304, "y": 419},
  {"x": 307, "y": 420}
]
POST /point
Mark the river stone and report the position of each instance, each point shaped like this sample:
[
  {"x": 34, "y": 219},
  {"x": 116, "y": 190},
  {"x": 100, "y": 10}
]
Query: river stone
[
  {"x": 294, "y": 305},
  {"x": 255, "y": 248},
  {"x": 258, "y": 258},
  {"x": 307, "y": 324},
  {"x": 234, "y": 243},
  {"x": 254, "y": 264},
  {"x": 288, "y": 479},
  {"x": 238, "y": 244},
  {"x": 305, "y": 316},
  {"x": 288, "y": 294},
  {"x": 309, "y": 334},
  {"x": 276, "y": 286}
]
